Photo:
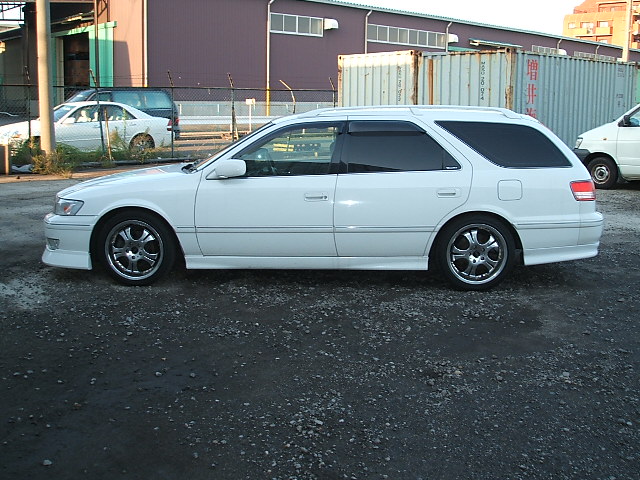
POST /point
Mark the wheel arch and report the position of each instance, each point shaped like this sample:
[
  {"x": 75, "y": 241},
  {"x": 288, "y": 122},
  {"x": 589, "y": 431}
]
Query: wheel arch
[
  {"x": 507, "y": 223},
  {"x": 95, "y": 234},
  {"x": 143, "y": 135},
  {"x": 593, "y": 155}
]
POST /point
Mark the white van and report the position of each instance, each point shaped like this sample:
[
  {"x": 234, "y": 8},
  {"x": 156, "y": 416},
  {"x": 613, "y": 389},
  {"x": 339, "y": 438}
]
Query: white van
[{"x": 612, "y": 151}]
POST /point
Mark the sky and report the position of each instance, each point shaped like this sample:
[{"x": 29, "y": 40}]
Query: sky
[{"x": 538, "y": 15}]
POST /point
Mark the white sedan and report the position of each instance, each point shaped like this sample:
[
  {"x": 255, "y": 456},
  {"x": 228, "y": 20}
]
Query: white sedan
[
  {"x": 470, "y": 191},
  {"x": 86, "y": 125}
]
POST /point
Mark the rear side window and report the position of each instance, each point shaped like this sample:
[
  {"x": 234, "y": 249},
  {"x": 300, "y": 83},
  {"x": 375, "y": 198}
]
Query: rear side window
[
  {"x": 128, "y": 98},
  {"x": 388, "y": 146},
  {"x": 155, "y": 99},
  {"x": 508, "y": 145}
]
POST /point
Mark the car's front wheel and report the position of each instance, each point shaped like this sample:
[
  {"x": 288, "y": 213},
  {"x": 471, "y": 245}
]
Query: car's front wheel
[
  {"x": 136, "y": 248},
  {"x": 604, "y": 172},
  {"x": 475, "y": 252}
]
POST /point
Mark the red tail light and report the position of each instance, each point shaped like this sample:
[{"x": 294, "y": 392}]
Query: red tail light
[{"x": 583, "y": 190}]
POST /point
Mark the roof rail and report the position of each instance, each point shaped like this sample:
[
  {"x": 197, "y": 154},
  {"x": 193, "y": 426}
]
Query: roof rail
[{"x": 416, "y": 109}]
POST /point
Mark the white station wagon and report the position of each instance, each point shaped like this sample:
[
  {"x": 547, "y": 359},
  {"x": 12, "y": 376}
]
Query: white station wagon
[{"x": 469, "y": 191}]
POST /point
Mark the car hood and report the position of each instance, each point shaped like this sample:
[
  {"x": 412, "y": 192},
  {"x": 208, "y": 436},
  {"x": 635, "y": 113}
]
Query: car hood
[
  {"x": 138, "y": 177},
  {"x": 21, "y": 128},
  {"x": 603, "y": 131}
]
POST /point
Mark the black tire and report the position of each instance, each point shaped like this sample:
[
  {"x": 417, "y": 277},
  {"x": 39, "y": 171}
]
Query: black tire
[
  {"x": 475, "y": 252},
  {"x": 136, "y": 248},
  {"x": 141, "y": 143},
  {"x": 604, "y": 172}
]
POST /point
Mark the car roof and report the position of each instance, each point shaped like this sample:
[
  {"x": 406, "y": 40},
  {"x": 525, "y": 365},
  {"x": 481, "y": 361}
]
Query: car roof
[{"x": 91, "y": 103}]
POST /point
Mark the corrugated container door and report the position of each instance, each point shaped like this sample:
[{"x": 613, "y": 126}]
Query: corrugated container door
[
  {"x": 388, "y": 78},
  {"x": 572, "y": 95},
  {"x": 483, "y": 79}
]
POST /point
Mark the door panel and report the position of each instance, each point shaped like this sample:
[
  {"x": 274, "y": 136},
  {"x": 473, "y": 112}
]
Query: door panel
[
  {"x": 266, "y": 216},
  {"x": 394, "y": 214}
]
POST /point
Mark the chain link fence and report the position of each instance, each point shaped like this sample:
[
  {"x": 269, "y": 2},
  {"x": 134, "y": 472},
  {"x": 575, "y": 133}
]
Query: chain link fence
[{"x": 203, "y": 119}]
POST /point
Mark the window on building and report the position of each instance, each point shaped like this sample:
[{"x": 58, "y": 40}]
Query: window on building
[
  {"x": 593, "y": 56},
  {"x": 547, "y": 50},
  {"x": 296, "y": 25},
  {"x": 405, "y": 36},
  {"x": 603, "y": 24},
  {"x": 571, "y": 25}
]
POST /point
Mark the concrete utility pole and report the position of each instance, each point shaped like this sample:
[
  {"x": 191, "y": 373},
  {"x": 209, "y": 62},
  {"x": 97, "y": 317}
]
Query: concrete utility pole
[
  {"x": 627, "y": 31},
  {"x": 45, "y": 91}
]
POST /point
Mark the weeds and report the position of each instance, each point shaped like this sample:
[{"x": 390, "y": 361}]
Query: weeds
[{"x": 65, "y": 159}]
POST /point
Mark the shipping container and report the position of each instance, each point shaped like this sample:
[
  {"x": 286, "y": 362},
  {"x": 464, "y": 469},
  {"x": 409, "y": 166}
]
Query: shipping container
[{"x": 569, "y": 95}]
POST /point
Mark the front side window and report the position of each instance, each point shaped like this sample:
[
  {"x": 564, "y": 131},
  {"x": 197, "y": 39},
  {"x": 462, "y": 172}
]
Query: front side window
[
  {"x": 298, "y": 150},
  {"x": 508, "y": 145},
  {"x": 393, "y": 146}
]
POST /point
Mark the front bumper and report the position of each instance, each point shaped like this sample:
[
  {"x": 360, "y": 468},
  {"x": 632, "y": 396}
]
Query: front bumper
[
  {"x": 581, "y": 153},
  {"x": 68, "y": 241}
]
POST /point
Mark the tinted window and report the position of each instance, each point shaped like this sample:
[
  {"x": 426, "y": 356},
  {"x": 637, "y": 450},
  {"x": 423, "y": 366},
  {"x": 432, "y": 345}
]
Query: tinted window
[
  {"x": 155, "y": 99},
  {"x": 508, "y": 145},
  {"x": 299, "y": 150},
  {"x": 373, "y": 146},
  {"x": 129, "y": 98}
]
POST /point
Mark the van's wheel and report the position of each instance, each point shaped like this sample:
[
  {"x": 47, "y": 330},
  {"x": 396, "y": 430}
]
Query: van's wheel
[
  {"x": 141, "y": 142},
  {"x": 136, "y": 248},
  {"x": 475, "y": 252},
  {"x": 603, "y": 171}
]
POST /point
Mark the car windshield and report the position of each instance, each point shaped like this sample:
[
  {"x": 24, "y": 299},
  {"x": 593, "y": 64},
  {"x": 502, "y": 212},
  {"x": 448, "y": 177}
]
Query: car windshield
[
  {"x": 80, "y": 96},
  {"x": 61, "y": 110}
]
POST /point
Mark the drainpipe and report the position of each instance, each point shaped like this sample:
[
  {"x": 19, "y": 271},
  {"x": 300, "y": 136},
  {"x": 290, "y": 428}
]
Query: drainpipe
[
  {"x": 145, "y": 44},
  {"x": 446, "y": 38},
  {"x": 268, "y": 82},
  {"x": 366, "y": 31},
  {"x": 558, "y": 45},
  {"x": 627, "y": 31}
]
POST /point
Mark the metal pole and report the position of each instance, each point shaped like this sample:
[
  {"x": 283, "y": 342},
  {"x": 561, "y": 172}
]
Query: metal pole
[
  {"x": 268, "y": 83},
  {"x": 45, "y": 92}
]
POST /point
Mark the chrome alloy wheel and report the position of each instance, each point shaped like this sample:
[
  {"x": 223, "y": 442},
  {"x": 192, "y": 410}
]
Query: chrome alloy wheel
[
  {"x": 477, "y": 253},
  {"x": 134, "y": 249}
]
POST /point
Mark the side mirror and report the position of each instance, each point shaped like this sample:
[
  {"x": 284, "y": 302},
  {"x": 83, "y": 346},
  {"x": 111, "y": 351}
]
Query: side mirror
[{"x": 229, "y": 168}]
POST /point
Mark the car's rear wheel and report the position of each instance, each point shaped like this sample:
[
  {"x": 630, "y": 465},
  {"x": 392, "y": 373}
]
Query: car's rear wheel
[
  {"x": 475, "y": 252},
  {"x": 603, "y": 171},
  {"x": 136, "y": 248},
  {"x": 141, "y": 143}
]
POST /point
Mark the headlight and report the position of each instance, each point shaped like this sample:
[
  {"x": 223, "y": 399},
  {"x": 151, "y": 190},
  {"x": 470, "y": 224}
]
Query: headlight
[
  {"x": 65, "y": 206},
  {"x": 578, "y": 142}
]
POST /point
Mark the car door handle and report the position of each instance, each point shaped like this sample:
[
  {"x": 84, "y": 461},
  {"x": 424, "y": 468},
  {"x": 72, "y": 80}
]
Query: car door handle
[
  {"x": 448, "y": 193},
  {"x": 316, "y": 197}
]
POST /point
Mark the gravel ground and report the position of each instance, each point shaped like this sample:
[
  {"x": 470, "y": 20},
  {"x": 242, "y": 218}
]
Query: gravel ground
[{"x": 318, "y": 375}]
